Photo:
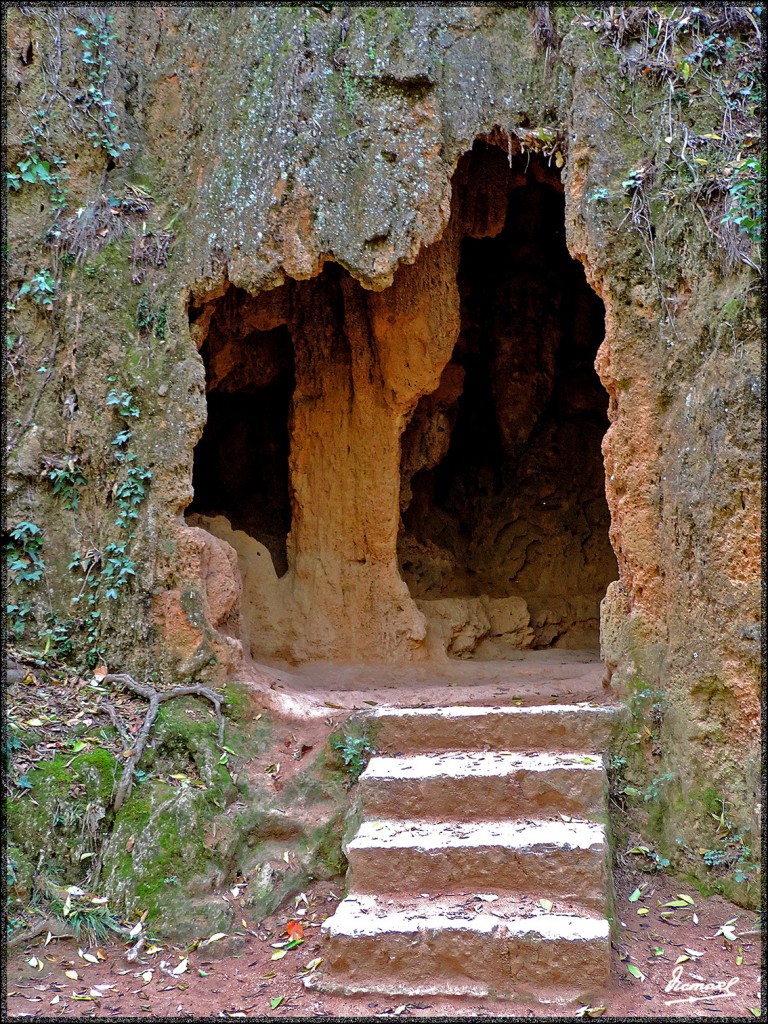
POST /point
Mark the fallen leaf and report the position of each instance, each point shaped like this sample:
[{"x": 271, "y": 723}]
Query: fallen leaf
[
  {"x": 279, "y": 954},
  {"x": 643, "y": 910},
  {"x": 676, "y": 903},
  {"x": 313, "y": 964},
  {"x": 686, "y": 899},
  {"x": 72, "y": 975},
  {"x": 681, "y": 959},
  {"x": 487, "y": 897},
  {"x": 135, "y": 930},
  {"x": 147, "y": 976},
  {"x": 634, "y": 896},
  {"x": 695, "y": 918},
  {"x": 294, "y": 930},
  {"x": 181, "y": 968},
  {"x": 726, "y": 930},
  {"x": 753, "y": 1011},
  {"x": 635, "y": 972},
  {"x": 274, "y": 1003},
  {"x": 56, "y": 999},
  {"x": 130, "y": 844},
  {"x": 216, "y": 937},
  {"x": 692, "y": 952},
  {"x": 546, "y": 904}
]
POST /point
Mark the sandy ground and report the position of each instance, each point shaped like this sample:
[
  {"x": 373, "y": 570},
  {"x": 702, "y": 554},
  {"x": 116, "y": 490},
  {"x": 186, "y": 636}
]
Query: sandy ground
[{"x": 236, "y": 975}]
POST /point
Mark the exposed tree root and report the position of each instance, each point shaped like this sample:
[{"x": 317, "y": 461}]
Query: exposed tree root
[
  {"x": 53, "y": 925},
  {"x": 155, "y": 698}
]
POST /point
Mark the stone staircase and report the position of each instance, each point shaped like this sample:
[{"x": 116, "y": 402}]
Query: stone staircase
[{"x": 470, "y": 817}]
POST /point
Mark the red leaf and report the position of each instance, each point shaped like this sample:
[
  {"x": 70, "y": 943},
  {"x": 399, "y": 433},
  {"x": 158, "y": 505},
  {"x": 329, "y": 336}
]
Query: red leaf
[{"x": 294, "y": 930}]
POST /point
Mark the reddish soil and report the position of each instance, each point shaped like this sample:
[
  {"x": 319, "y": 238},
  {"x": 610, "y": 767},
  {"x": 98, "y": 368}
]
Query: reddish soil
[{"x": 236, "y": 976}]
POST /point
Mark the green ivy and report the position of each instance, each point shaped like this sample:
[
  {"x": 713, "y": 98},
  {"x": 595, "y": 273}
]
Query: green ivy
[{"x": 97, "y": 48}]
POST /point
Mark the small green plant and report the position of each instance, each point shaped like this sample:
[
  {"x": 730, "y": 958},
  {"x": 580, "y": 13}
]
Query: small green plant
[
  {"x": 746, "y": 210},
  {"x": 67, "y": 481},
  {"x": 151, "y": 321},
  {"x": 652, "y": 861},
  {"x": 731, "y": 850},
  {"x": 124, "y": 403},
  {"x": 25, "y": 565},
  {"x": 354, "y": 751},
  {"x": 41, "y": 288},
  {"x": 36, "y": 170},
  {"x": 25, "y": 561},
  {"x": 118, "y": 569},
  {"x": 656, "y": 786},
  {"x": 85, "y": 915},
  {"x": 130, "y": 493}
]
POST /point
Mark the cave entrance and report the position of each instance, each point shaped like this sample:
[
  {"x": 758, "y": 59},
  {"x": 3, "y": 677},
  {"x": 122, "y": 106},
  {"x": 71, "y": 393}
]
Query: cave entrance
[
  {"x": 504, "y": 538},
  {"x": 240, "y": 467}
]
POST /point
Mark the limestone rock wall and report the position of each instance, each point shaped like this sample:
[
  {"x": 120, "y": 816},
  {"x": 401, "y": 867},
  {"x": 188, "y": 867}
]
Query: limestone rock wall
[{"x": 303, "y": 156}]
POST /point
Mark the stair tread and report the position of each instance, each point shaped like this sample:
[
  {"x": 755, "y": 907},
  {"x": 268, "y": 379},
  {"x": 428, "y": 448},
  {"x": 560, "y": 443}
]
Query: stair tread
[
  {"x": 479, "y": 711},
  {"x": 477, "y": 911},
  {"x": 398, "y": 834},
  {"x": 460, "y": 764}
]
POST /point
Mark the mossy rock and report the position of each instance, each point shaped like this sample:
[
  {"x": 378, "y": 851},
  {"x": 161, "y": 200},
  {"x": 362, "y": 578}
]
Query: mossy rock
[
  {"x": 59, "y": 820},
  {"x": 159, "y": 842}
]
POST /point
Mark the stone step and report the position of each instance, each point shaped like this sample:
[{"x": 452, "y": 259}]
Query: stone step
[
  {"x": 444, "y": 947},
  {"x": 553, "y": 859},
  {"x": 542, "y": 727},
  {"x": 480, "y": 785}
]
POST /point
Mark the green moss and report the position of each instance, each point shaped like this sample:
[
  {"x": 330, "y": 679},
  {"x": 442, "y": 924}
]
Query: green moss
[
  {"x": 325, "y": 844},
  {"x": 708, "y": 798}
]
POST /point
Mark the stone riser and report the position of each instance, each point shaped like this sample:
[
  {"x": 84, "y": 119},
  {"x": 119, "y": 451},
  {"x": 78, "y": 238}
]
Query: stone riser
[
  {"x": 450, "y": 961},
  {"x": 550, "y": 728},
  {"x": 515, "y": 794},
  {"x": 545, "y": 870}
]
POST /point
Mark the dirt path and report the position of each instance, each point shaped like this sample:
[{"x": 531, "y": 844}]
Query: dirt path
[{"x": 236, "y": 976}]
